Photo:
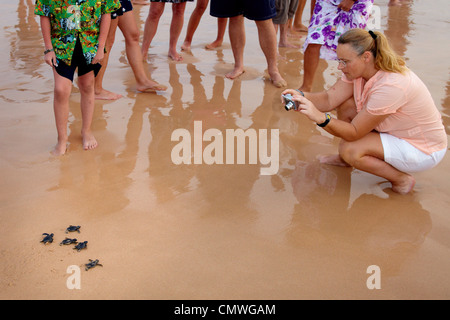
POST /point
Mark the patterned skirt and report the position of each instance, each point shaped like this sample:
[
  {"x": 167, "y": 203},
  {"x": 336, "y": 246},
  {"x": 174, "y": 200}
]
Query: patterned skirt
[{"x": 329, "y": 22}]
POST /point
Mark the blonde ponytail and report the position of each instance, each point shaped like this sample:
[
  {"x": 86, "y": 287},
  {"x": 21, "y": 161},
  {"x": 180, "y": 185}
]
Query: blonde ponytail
[{"x": 376, "y": 42}]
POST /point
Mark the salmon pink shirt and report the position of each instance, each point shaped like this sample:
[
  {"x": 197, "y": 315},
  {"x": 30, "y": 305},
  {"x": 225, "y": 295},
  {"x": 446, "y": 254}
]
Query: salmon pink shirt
[{"x": 413, "y": 116}]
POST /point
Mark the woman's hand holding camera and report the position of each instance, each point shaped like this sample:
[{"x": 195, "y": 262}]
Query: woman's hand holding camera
[{"x": 305, "y": 106}]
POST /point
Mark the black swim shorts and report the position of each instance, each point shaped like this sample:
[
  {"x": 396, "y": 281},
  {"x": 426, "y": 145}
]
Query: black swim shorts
[
  {"x": 251, "y": 9},
  {"x": 78, "y": 61},
  {"x": 126, "y": 6}
]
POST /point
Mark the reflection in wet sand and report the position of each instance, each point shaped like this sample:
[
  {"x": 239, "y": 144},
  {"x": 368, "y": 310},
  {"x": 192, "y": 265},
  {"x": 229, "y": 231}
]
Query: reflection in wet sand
[
  {"x": 167, "y": 231},
  {"x": 375, "y": 229},
  {"x": 399, "y": 26}
]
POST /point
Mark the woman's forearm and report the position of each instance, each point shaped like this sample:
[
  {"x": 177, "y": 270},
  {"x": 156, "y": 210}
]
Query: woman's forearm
[
  {"x": 342, "y": 129},
  {"x": 320, "y": 99},
  {"x": 361, "y": 125}
]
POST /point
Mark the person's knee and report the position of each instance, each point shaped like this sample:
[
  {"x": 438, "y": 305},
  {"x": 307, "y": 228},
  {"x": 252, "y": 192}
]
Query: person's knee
[
  {"x": 347, "y": 110},
  {"x": 86, "y": 83},
  {"x": 62, "y": 90},
  {"x": 201, "y": 6},
  {"x": 155, "y": 13},
  {"x": 132, "y": 37},
  {"x": 348, "y": 152},
  {"x": 178, "y": 9}
]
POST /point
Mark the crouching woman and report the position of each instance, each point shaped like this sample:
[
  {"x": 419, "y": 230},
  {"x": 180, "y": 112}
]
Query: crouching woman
[{"x": 386, "y": 117}]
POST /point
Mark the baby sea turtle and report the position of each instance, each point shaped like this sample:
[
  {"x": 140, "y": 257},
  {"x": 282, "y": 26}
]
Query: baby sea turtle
[
  {"x": 92, "y": 264},
  {"x": 81, "y": 245},
  {"x": 68, "y": 241},
  {"x": 73, "y": 229},
  {"x": 47, "y": 238}
]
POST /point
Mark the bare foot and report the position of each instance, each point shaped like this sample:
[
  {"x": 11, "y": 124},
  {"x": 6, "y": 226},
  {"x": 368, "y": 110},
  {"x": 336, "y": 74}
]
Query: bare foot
[
  {"x": 277, "y": 80},
  {"x": 295, "y": 35},
  {"x": 60, "y": 148},
  {"x": 288, "y": 45},
  {"x": 405, "y": 186},
  {"x": 214, "y": 45},
  {"x": 305, "y": 88},
  {"x": 235, "y": 73},
  {"x": 151, "y": 87},
  {"x": 175, "y": 56},
  {"x": 186, "y": 46},
  {"x": 107, "y": 95},
  {"x": 300, "y": 28},
  {"x": 89, "y": 141},
  {"x": 332, "y": 159}
]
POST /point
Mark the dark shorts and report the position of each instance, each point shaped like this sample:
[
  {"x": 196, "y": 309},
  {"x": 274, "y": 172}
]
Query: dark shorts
[
  {"x": 251, "y": 9},
  {"x": 126, "y": 6},
  {"x": 78, "y": 61}
]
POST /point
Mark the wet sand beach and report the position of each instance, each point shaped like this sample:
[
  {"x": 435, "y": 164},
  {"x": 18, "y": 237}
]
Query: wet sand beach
[{"x": 220, "y": 231}]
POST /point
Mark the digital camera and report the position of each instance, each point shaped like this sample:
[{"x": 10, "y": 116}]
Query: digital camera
[{"x": 289, "y": 103}]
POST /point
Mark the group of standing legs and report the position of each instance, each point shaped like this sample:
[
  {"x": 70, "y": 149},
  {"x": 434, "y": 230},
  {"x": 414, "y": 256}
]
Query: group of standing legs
[
  {"x": 124, "y": 19},
  {"x": 234, "y": 11}
]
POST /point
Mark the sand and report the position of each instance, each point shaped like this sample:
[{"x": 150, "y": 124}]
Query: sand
[{"x": 221, "y": 231}]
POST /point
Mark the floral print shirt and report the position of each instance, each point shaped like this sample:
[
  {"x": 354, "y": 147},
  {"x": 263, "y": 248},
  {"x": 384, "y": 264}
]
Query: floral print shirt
[{"x": 72, "y": 19}]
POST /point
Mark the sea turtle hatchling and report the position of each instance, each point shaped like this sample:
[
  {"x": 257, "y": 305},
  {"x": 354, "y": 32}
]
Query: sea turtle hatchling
[
  {"x": 92, "y": 264},
  {"x": 81, "y": 245},
  {"x": 67, "y": 241},
  {"x": 48, "y": 238},
  {"x": 73, "y": 229}
]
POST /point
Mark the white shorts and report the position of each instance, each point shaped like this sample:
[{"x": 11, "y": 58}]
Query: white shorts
[{"x": 405, "y": 157}]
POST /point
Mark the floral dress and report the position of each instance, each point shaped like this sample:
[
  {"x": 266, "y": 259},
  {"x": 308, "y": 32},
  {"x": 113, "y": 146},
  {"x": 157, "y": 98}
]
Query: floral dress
[
  {"x": 329, "y": 22},
  {"x": 75, "y": 19}
]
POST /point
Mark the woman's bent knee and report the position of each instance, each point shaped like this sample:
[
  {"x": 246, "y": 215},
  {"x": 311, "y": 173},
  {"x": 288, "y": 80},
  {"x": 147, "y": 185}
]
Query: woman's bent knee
[{"x": 348, "y": 152}]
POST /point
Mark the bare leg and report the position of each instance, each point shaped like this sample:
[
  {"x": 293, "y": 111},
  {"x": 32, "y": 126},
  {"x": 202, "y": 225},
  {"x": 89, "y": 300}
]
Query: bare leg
[
  {"x": 193, "y": 23},
  {"x": 151, "y": 25},
  {"x": 311, "y": 61},
  {"x": 313, "y": 4},
  {"x": 175, "y": 29},
  {"x": 345, "y": 112},
  {"x": 62, "y": 90},
  {"x": 221, "y": 28},
  {"x": 128, "y": 26},
  {"x": 367, "y": 154},
  {"x": 86, "y": 84},
  {"x": 298, "y": 25},
  {"x": 268, "y": 43},
  {"x": 236, "y": 30},
  {"x": 100, "y": 92},
  {"x": 284, "y": 43}
]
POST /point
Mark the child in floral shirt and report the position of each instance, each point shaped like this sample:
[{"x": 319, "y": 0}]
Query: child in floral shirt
[{"x": 74, "y": 33}]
